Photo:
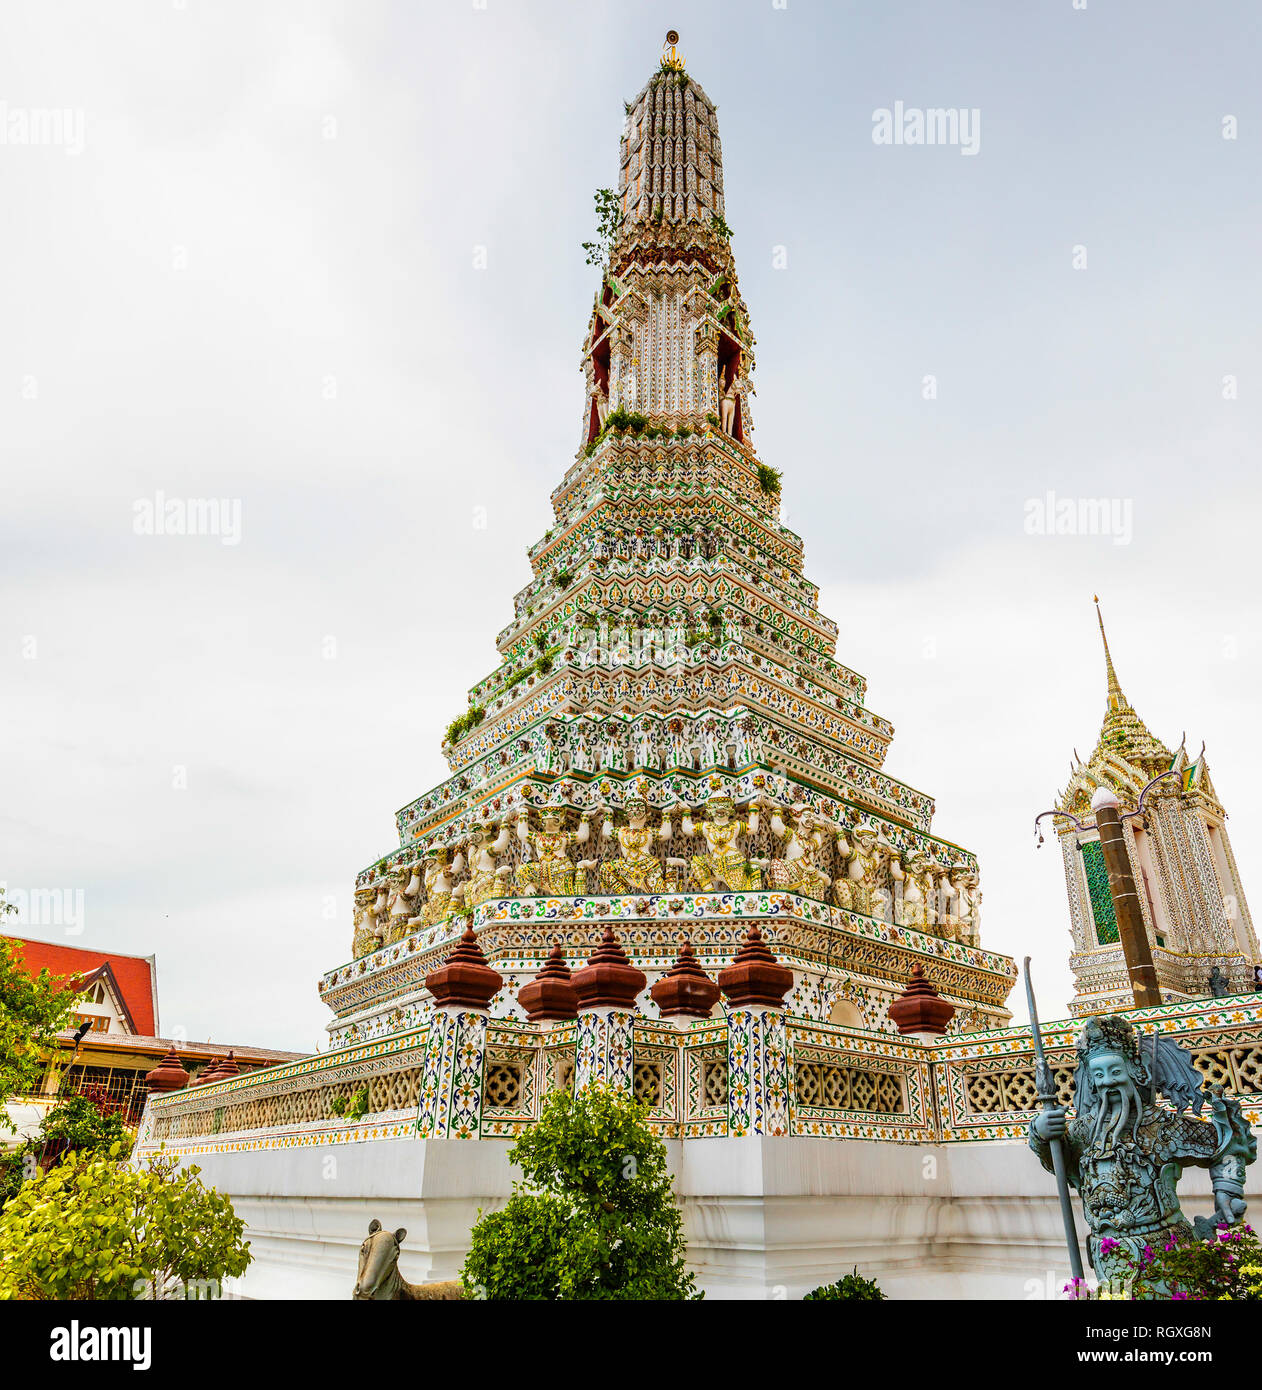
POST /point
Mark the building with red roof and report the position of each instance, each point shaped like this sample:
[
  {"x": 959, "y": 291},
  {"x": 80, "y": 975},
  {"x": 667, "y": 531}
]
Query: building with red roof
[{"x": 118, "y": 1003}]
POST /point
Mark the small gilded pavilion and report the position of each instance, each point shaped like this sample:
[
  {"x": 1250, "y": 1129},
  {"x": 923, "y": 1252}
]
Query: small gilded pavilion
[{"x": 1194, "y": 906}]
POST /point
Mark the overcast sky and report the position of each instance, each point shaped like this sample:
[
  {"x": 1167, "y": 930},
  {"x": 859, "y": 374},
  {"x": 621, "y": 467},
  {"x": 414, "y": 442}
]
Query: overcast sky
[{"x": 244, "y": 267}]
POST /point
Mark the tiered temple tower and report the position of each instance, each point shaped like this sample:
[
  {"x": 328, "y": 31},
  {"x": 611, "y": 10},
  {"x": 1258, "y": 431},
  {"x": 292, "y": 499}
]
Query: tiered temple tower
[
  {"x": 667, "y": 740},
  {"x": 668, "y": 749},
  {"x": 1194, "y": 907}
]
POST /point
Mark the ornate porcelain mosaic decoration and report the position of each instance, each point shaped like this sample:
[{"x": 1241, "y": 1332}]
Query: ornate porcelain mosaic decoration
[
  {"x": 668, "y": 735},
  {"x": 1199, "y": 927}
]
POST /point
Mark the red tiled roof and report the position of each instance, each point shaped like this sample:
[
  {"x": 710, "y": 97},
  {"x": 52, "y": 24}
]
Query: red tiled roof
[
  {"x": 188, "y": 1051},
  {"x": 134, "y": 975}
]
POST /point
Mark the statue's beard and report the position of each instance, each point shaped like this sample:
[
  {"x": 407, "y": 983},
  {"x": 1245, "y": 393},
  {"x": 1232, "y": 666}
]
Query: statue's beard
[{"x": 1116, "y": 1111}]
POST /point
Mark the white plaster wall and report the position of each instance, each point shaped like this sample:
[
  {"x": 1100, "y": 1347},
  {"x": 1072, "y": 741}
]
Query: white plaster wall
[{"x": 765, "y": 1218}]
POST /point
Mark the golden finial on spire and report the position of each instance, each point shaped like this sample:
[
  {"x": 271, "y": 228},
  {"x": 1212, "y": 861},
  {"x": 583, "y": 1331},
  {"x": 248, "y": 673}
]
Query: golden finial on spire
[
  {"x": 670, "y": 54},
  {"x": 1116, "y": 698}
]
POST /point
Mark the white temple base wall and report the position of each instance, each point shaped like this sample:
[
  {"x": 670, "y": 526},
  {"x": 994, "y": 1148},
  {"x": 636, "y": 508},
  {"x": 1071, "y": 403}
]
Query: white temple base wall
[{"x": 766, "y": 1218}]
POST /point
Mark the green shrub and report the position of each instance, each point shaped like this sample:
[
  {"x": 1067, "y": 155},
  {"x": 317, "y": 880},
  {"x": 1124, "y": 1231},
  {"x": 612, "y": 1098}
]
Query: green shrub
[
  {"x": 608, "y": 211},
  {"x": 352, "y": 1107},
  {"x": 853, "y": 1285},
  {"x": 84, "y": 1123},
  {"x": 594, "y": 1218},
  {"x": 92, "y": 1228},
  {"x": 457, "y": 729},
  {"x": 769, "y": 479},
  {"x": 623, "y": 419}
]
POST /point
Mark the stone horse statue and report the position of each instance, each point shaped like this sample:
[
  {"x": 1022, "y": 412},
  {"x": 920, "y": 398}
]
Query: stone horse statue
[{"x": 379, "y": 1276}]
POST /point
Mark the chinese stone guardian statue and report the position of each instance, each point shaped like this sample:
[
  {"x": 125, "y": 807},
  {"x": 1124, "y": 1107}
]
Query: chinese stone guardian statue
[
  {"x": 728, "y": 397},
  {"x": 919, "y": 889},
  {"x": 405, "y": 884},
  {"x": 1124, "y": 1153},
  {"x": 858, "y": 890},
  {"x": 369, "y": 927}
]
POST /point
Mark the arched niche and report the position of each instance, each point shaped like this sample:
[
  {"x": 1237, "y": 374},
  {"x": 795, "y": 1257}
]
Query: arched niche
[
  {"x": 729, "y": 356},
  {"x": 845, "y": 1014},
  {"x": 600, "y": 373}
]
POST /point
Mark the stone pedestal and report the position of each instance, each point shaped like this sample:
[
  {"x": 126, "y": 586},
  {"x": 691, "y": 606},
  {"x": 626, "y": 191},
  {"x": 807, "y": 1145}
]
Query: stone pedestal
[
  {"x": 603, "y": 1051},
  {"x": 757, "y": 1072},
  {"x": 455, "y": 1049},
  {"x": 607, "y": 988},
  {"x": 451, "y": 1092}
]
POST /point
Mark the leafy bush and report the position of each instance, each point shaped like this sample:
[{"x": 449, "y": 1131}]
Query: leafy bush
[
  {"x": 608, "y": 211},
  {"x": 84, "y": 1123},
  {"x": 769, "y": 479},
  {"x": 623, "y": 419},
  {"x": 596, "y": 1216},
  {"x": 353, "y": 1107},
  {"x": 514, "y": 1251},
  {"x": 853, "y": 1285},
  {"x": 91, "y": 1228},
  {"x": 467, "y": 722}
]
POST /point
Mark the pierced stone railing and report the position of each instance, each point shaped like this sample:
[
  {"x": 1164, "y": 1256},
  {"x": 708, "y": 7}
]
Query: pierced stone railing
[
  {"x": 841, "y": 1083},
  {"x": 986, "y": 1084}
]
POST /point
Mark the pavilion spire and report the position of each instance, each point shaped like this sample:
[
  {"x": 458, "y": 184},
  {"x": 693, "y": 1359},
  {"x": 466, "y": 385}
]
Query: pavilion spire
[
  {"x": 1116, "y": 699},
  {"x": 1123, "y": 733}
]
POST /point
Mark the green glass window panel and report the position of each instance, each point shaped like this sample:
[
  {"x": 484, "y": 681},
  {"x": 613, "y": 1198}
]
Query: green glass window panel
[{"x": 1098, "y": 890}]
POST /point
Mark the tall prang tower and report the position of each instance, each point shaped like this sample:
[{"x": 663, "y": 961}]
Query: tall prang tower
[
  {"x": 1193, "y": 903},
  {"x": 667, "y": 742}
]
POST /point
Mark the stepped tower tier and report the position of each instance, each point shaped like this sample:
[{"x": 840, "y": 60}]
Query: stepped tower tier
[
  {"x": 668, "y": 732},
  {"x": 1191, "y": 897}
]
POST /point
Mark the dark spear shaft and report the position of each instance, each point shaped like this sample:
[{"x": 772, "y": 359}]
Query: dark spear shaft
[{"x": 1047, "y": 1096}]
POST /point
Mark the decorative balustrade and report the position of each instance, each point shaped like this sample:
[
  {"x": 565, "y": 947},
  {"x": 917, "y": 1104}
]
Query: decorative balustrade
[
  {"x": 844, "y": 1083},
  {"x": 986, "y": 1084}
]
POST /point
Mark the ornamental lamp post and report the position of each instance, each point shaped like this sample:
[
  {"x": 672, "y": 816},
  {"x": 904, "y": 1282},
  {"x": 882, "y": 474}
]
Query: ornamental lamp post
[
  {"x": 1130, "y": 920},
  {"x": 1126, "y": 910}
]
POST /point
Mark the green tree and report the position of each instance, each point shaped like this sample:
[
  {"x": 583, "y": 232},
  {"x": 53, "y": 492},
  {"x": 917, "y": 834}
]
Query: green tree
[
  {"x": 80, "y": 1123},
  {"x": 32, "y": 1010},
  {"x": 92, "y": 1228},
  {"x": 595, "y": 1218}
]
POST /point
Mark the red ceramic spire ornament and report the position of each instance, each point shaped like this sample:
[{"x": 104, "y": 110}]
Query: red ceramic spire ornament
[
  {"x": 685, "y": 991},
  {"x": 608, "y": 980},
  {"x": 919, "y": 1009},
  {"x": 551, "y": 994},
  {"x": 168, "y": 1075},
  {"x": 755, "y": 977},
  {"x": 464, "y": 980}
]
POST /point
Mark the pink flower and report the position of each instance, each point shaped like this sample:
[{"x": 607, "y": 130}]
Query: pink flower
[{"x": 1108, "y": 1245}]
